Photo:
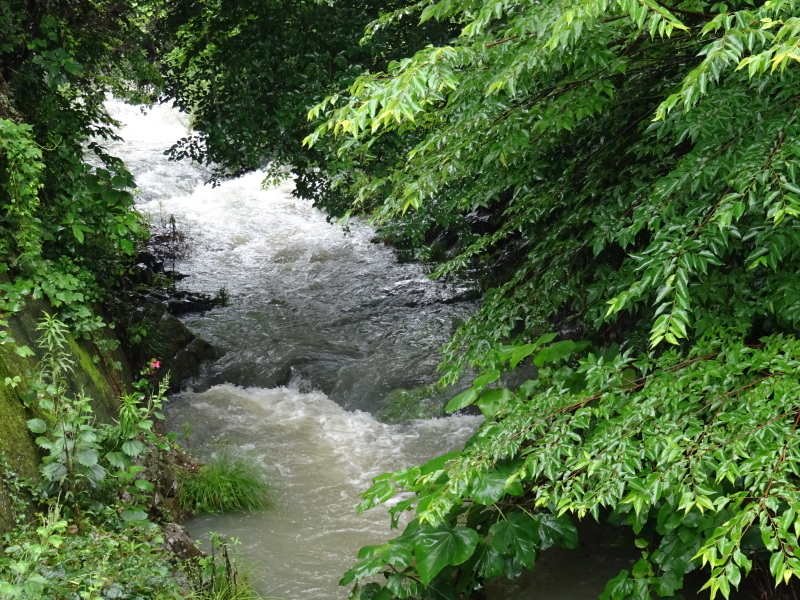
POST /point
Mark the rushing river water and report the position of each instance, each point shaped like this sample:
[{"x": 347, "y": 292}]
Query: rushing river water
[{"x": 320, "y": 326}]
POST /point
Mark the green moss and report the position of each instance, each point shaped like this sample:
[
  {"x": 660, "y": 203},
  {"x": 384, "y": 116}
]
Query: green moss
[
  {"x": 90, "y": 380},
  {"x": 89, "y": 377},
  {"x": 15, "y": 442}
]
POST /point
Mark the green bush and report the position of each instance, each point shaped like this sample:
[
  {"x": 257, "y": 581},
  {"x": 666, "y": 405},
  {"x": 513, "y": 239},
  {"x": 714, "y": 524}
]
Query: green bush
[
  {"x": 224, "y": 483},
  {"x": 61, "y": 559},
  {"x": 103, "y": 557}
]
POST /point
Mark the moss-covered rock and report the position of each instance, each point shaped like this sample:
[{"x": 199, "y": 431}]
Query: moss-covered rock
[{"x": 99, "y": 372}]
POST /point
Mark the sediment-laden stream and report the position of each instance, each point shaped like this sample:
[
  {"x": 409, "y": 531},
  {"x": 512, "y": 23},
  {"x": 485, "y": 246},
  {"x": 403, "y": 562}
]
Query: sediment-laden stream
[
  {"x": 320, "y": 326},
  {"x": 311, "y": 308}
]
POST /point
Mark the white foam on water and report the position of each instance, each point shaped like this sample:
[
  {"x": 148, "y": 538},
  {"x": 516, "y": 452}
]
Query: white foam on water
[
  {"x": 335, "y": 303},
  {"x": 319, "y": 458}
]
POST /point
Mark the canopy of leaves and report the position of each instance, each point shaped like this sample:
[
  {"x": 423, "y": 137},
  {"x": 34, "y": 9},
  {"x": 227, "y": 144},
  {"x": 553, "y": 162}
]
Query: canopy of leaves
[
  {"x": 628, "y": 169},
  {"x": 248, "y": 72}
]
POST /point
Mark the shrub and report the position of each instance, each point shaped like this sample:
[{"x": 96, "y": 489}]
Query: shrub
[{"x": 61, "y": 558}]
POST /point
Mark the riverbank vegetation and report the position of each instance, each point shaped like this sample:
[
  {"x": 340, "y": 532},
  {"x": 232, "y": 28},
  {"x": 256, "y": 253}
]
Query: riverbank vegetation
[
  {"x": 628, "y": 174},
  {"x": 90, "y": 525},
  {"x": 67, "y": 220},
  {"x": 224, "y": 483},
  {"x": 86, "y": 519},
  {"x": 623, "y": 177}
]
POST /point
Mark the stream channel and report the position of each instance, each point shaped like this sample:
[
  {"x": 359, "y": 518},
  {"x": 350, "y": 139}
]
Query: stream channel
[{"x": 320, "y": 326}]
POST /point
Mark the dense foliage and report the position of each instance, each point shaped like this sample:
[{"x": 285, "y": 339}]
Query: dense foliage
[
  {"x": 627, "y": 173},
  {"x": 249, "y": 72},
  {"x": 88, "y": 528},
  {"x": 65, "y": 218},
  {"x": 630, "y": 170}
]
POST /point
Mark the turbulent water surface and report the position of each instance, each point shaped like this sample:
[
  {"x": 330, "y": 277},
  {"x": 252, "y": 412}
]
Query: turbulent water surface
[{"x": 321, "y": 324}]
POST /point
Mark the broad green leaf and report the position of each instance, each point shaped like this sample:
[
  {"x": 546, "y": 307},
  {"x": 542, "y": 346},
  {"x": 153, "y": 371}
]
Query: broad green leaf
[
  {"x": 87, "y": 457},
  {"x": 438, "y": 463},
  {"x": 490, "y": 563},
  {"x": 516, "y": 536},
  {"x": 462, "y": 400},
  {"x": 486, "y": 378},
  {"x": 77, "y": 232},
  {"x": 133, "y": 447},
  {"x": 131, "y": 516},
  {"x": 143, "y": 485},
  {"x": 556, "y": 531},
  {"x": 55, "y": 471},
  {"x": 119, "y": 460},
  {"x": 37, "y": 425},
  {"x": 363, "y": 569},
  {"x": 489, "y": 487},
  {"x": 522, "y": 352},
  {"x": 23, "y": 351},
  {"x": 378, "y": 493},
  {"x": 444, "y": 546},
  {"x": 398, "y": 555},
  {"x": 493, "y": 401},
  {"x": 554, "y": 352},
  {"x": 13, "y": 591},
  {"x": 618, "y": 588}
]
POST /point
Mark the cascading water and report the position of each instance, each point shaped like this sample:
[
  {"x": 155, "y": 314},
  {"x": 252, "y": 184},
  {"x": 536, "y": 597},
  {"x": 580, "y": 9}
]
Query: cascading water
[
  {"x": 310, "y": 309},
  {"x": 307, "y": 300}
]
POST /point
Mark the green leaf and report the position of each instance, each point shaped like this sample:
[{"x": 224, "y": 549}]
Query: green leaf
[
  {"x": 557, "y": 531},
  {"x": 522, "y": 352},
  {"x": 554, "y": 352},
  {"x": 489, "y": 487},
  {"x": 443, "y": 546},
  {"x": 494, "y": 401},
  {"x": 13, "y": 591},
  {"x": 132, "y": 516},
  {"x": 143, "y": 485},
  {"x": 119, "y": 460},
  {"x": 516, "y": 536},
  {"x": 490, "y": 563},
  {"x": 87, "y": 457},
  {"x": 438, "y": 463},
  {"x": 485, "y": 378},
  {"x": 70, "y": 66},
  {"x": 618, "y": 588},
  {"x": 397, "y": 555},
  {"x": 23, "y": 351},
  {"x": 133, "y": 448},
  {"x": 363, "y": 569},
  {"x": 55, "y": 471},
  {"x": 462, "y": 400},
  {"x": 37, "y": 425},
  {"x": 378, "y": 493}
]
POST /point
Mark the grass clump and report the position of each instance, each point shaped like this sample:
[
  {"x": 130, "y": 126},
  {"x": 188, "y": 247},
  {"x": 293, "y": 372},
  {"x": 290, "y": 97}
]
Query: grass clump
[{"x": 225, "y": 483}]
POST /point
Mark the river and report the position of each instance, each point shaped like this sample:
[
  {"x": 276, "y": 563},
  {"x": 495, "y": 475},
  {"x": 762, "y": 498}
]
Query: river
[{"x": 321, "y": 324}]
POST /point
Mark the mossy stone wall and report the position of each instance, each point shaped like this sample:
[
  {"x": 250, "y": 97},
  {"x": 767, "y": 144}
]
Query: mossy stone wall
[{"x": 102, "y": 375}]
